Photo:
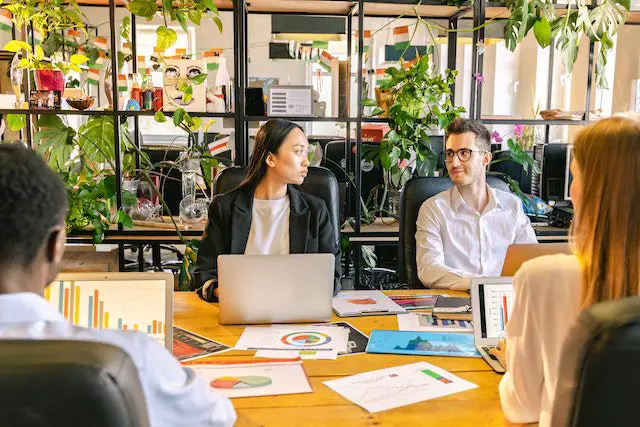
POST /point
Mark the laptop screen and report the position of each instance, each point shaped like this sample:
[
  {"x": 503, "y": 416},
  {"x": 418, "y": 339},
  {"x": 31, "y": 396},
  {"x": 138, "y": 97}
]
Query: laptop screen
[
  {"x": 112, "y": 302},
  {"x": 496, "y": 302}
]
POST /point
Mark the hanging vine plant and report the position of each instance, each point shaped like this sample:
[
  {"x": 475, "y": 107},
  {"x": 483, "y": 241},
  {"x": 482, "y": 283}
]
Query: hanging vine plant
[{"x": 599, "y": 23}]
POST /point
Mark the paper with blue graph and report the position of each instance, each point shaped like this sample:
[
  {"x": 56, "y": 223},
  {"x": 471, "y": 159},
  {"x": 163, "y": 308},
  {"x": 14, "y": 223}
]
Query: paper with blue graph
[
  {"x": 422, "y": 343},
  {"x": 403, "y": 385}
]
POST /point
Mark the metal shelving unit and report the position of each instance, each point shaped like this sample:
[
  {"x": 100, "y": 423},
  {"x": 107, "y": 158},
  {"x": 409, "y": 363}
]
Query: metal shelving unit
[{"x": 479, "y": 12}]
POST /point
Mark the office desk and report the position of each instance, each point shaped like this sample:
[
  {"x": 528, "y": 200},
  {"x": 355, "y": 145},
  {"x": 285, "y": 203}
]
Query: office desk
[{"x": 324, "y": 407}]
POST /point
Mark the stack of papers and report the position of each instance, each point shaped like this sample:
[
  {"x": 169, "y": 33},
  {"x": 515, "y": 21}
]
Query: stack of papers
[
  {"x": 364, "y": 303},
  {"x": 244, "y": 379},
  {"x": 390, "y": 388},
  {"x": 307, "y": 342}
]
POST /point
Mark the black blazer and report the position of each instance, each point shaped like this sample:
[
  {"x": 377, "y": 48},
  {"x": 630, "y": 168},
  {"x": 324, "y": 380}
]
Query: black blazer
[{"x": 227, "y": 232}]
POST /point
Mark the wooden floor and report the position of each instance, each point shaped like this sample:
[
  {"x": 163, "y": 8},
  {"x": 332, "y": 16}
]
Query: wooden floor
[{"x": 474, "y": 408}]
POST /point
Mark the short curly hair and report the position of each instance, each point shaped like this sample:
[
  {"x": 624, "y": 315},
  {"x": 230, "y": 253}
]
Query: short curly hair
[{"x": 34, "y": 199}]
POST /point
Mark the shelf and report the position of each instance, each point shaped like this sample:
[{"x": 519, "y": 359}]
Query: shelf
[
  {"x": 540, "y": 122},
  {"x": 57, "y": 112},
  {"x": 300, "y": 119},
  {"x": 170, "y": 113}
]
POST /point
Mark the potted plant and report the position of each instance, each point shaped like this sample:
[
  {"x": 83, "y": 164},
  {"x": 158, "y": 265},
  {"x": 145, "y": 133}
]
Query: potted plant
[{"x": 419, "y": 103}]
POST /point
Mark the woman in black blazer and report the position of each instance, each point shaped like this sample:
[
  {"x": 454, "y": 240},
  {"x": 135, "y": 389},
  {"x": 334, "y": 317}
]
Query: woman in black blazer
[{"x": 279, "y": 161}]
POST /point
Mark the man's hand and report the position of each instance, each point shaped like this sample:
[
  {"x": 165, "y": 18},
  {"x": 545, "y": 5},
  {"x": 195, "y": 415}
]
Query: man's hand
[{"x": 500, "y": 352}]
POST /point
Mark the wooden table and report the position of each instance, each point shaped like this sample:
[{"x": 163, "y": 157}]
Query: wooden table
[{"x": 477, "y": 407}]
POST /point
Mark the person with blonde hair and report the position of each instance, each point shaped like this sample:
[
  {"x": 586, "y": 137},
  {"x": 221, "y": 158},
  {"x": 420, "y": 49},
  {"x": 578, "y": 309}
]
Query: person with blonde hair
[{"x": 550, "y": 291}]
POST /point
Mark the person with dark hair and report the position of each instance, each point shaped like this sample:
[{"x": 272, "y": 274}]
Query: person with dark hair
[
  {"x": 32, "y": 239},
  {"x": 265, "y": 213},
  {"x": 464, "y": 232}
]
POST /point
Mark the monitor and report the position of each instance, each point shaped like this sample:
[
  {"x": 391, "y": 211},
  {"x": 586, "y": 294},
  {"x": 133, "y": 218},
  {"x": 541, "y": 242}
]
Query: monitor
[{"x": 121, "y": 301}]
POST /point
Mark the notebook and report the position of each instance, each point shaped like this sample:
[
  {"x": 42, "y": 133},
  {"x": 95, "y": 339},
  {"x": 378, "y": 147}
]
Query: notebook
[{"x": 456, "y": 308}]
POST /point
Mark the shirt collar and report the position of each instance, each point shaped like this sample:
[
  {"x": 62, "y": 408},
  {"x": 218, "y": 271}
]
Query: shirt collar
[
  {"x": 457, "y": 201},
  {"x": 24, "y": 307}
]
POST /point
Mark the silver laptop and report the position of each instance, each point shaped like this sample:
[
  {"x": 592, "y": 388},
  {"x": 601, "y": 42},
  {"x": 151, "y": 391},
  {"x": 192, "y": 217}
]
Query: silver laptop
[
  {"x": 491, "y": 303},
  {"x": 275, "y": 288}
]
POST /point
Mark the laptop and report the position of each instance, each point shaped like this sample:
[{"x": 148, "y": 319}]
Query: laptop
[
  {"x": 517, "y": 254},
  {"x": 121, "y": 301},
  {"x": 491, "y": 304},
  {"x": 275, "y": 288}
]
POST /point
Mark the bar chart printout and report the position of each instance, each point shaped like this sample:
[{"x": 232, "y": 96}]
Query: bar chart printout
[
  {"x": 498, "y": 302},
  {"x": 122, "y": 305}
]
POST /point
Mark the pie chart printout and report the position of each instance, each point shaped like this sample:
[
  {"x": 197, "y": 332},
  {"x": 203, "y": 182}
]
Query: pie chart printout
[
  {"x": 252, "y": 381},
  {"x": 306, "y": 339}
]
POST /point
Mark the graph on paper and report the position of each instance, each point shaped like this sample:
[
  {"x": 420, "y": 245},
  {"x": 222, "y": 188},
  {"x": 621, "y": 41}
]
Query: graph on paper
[
  {"x": 113, "y": 304},
  {"x": 498, "y": 302}
]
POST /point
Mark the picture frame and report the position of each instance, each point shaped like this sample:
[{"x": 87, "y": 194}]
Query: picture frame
[{"x": 45, "y": 99}]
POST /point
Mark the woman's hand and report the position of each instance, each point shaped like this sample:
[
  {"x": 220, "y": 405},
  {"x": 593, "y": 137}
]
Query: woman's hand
[{"x": 500, "y": 352}]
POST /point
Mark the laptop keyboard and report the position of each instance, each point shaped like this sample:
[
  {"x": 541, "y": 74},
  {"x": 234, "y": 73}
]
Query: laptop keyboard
[{"x": 486, "y": 349}]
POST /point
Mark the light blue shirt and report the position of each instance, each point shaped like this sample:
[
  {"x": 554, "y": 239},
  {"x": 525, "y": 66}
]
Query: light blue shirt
[{"x": 175, "y": 396}]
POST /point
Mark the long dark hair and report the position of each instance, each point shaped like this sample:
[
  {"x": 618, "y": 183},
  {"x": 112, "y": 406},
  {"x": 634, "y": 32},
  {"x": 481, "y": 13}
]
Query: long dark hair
[{"x": 269, "y": 138}]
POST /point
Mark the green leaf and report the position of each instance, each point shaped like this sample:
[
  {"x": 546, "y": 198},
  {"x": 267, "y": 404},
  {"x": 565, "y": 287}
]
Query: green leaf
[
  {"x": 183, "y": 21},
  {"x": 17, "y": 45},
  {"x": 16, "y": 122},
  {"x": 178, "y": 116},
  {"x": 56, "y": 140},
  {"x": 123, "y": 218},
  {"x": 542, "y": 31},
  {"x": 160, "y": 117},
  {"x": 188, "y": 95},
  {"x": 78, "y": 59},
  {"x": 211, "y": 6},
  {"x": 146, "y": 8},
  {"x": 368, "y": 102},
  {"x": 166, "y": 37},
  {"x": 109, "y": 183},
  {"x": 198, "y": 78},
  {"x": 218, "y": 23},
  {"x": 39, "y": 52},
  {"x": 377, "y": 111},
  {"x": 195, "y": 16}
]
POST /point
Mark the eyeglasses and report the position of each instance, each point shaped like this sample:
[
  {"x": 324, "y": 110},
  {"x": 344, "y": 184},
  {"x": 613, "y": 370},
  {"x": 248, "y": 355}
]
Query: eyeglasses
[{"x": 464, "y": 154}]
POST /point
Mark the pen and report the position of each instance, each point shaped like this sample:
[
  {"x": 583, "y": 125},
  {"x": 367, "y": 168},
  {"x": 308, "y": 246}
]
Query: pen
[{"x": 374, "y": 311}]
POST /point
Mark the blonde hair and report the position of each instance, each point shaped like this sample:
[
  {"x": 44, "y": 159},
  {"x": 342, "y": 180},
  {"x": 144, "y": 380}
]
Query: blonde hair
[{"x": 607, "y": 224}]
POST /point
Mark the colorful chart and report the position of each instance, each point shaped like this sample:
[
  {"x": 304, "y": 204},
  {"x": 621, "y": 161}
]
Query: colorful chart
[
  {"x": 252, "y": 381},
  {"x": 306, "y": 339}
]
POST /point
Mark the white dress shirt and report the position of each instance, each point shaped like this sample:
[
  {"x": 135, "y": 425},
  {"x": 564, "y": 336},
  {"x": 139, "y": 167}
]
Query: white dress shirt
[
  {"x": 175, "y": 396},
  {"x": 547, "y": 302},
  {"x": 455, "y": 242},
  {"x": 269, "y": 233}
]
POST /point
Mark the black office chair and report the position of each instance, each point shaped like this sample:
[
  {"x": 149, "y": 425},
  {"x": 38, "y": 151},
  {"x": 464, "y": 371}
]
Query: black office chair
[
  {"x": 415, "y": 192},
  {"x": 320, "y": 182},
  {"x": 599, "y": 373},
  {"x": 69, "y": 383}
]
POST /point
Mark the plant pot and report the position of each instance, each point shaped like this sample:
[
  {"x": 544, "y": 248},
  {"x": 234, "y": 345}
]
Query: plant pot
[{"x": 49, "y": 80}]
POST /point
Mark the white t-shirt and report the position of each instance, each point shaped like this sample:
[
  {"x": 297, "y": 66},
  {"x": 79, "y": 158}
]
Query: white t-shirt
[
  {"x": 547, "y": 303},
  {"x": 269, "y": 233}
]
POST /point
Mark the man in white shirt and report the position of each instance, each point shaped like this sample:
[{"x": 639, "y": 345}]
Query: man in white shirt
[
  {"x": 32, "y": 238},
  {"x": 464, "y": 232}
]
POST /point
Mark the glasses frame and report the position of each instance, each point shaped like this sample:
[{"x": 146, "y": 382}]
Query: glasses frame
[{"x": 457, "y": 154}]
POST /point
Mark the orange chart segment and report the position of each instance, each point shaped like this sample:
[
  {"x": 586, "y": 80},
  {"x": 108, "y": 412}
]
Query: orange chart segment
[{"x": 251, "y": 381}]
